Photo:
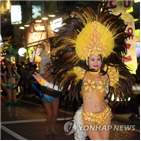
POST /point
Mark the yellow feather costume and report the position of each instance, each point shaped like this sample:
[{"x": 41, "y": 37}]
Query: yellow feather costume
[{"x": 92, "y": 31}]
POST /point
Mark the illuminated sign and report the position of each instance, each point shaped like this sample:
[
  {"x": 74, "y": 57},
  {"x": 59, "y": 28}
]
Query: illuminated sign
[
  {"x": 35, "y": 36},
  {"x": 138, "y": 48},
  {"x": 1, "y": 43},
  {"x": 55, "y": 24},
  {"x": 122, "y": 4},
  {"x": 16, "y": 14},
  {"x": 137, "y": 33},
  {"x": 36, "y": 11},
  {"x": 39, "y": 27},
  {"x": 136, "y": 1},
  {"x": 130, "y": 10},
  {"x": 121, "y": 7}
]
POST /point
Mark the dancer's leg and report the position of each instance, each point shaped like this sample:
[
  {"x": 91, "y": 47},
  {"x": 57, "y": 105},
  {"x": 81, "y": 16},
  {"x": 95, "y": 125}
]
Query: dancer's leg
[
  {"x": 9, "y": 98},
  {"x": 14, "y": 93},
  {"x": 55, "y": 105},
  {"x": 48, "y": 108},
  {"x": 94, "y": 135},
  {"x": 106, "y": 133}
]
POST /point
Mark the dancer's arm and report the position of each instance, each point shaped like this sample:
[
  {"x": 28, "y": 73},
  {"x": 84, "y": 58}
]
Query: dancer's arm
[{"x": 43, "y": 82}]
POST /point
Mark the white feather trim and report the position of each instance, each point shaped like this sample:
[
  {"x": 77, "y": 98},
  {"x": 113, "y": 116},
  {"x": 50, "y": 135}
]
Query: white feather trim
[
  {"x": 76, "y": 126},
  {"x": 79, "y": 134}
]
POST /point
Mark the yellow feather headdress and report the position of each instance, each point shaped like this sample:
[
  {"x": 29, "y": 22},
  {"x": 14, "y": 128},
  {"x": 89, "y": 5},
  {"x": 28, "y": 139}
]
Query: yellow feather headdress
[
  {"x": 94, "y": 39},
  {"x": 92, "y": 32}
]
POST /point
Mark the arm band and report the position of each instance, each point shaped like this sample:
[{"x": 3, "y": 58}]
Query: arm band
[
  {"x": 52, "y": 86},
  {"x": 43, "y": 82}
]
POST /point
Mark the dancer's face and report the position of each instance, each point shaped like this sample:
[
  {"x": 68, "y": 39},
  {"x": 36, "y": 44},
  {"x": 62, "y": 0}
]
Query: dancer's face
[
  {"x": 9, "y": 66},
  {"x": 95, "y": 62}
]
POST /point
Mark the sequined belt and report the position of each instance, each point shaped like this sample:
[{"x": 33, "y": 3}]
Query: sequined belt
[{"x": 97, "y": 118}]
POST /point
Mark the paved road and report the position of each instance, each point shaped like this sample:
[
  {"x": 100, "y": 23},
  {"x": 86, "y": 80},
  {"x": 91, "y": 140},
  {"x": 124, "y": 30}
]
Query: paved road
[{"x": 30, "y": 125}]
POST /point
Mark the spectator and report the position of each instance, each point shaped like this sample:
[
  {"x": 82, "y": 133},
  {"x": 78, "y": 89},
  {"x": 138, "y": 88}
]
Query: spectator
[
  {"x": 11, "y": 78},
  {"x": 26, "y": 86}
]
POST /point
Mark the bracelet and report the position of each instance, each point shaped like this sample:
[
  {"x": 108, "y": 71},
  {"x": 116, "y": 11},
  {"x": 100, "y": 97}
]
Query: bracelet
[{"x": 42, "y": 82}]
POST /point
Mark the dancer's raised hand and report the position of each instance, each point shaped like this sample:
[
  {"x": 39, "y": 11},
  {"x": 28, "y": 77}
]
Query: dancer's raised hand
[{"x": 37, "y": 77}]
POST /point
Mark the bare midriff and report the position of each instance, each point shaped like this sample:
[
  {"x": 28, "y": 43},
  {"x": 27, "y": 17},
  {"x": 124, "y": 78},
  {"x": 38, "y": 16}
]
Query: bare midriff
[
  {"x": 11, "y": 80},
  {"x": 92, "y": 105}
]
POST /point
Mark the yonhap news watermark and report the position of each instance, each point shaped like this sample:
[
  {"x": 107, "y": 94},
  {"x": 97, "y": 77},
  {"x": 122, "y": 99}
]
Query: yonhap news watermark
[
  {"x": 70, "y": 127},
  {"x": 107, "y": 127}
]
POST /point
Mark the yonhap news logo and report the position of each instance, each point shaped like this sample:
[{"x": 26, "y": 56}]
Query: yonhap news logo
[{"x": 69, "y": 127}]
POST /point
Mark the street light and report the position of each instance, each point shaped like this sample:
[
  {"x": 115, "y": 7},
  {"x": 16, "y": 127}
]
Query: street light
[
  {"x": 51, "y": 14},
  {"x": 44, "y": 18},
  {"x": 38, "y": 20},
  {"x": 21, "y": 51},
  {"x": 26, "y": 25},
  {"x": 22, "y": 27}
]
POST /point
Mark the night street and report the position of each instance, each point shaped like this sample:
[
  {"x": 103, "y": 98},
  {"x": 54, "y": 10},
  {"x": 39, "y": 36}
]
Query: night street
[
  {"x": 70, "y": 70},
  {"x": 30, "y": 124}
]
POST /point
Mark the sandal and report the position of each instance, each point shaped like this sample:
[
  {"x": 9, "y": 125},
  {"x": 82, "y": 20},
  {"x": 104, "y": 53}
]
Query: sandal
[{"x": 53, "y": 132}]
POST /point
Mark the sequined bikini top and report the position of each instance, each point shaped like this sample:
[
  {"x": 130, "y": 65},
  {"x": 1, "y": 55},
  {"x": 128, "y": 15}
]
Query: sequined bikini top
[
  {"x": 94, "y": 84},
  {"x": 11, "y": 76}
]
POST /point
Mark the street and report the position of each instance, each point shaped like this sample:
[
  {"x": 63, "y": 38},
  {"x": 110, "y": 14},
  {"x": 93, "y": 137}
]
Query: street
[{"x": 30, "y": 124}]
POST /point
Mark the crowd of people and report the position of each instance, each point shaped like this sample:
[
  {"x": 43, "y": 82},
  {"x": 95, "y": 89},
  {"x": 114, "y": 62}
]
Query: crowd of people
[
  {"x": 16, "y": 81},
  {"x": 25, "y": 72}
]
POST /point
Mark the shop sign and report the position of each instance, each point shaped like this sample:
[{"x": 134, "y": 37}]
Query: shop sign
[
  {"x": 16, "y": 14},
  {"x": 55, "y": 24},
  {"x": 122, "y": 4},
  {"x": 121, "y": 7}
]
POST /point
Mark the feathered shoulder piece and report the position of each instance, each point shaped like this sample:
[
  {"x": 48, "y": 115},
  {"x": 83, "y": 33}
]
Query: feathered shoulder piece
[
  {"x": 113, "y": 74},
  {"x": 79, "y": 72},
  {"x": 119, "y": 79}
]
